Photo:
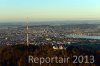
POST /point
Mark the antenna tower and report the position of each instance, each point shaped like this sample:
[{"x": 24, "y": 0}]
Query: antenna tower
[{"x": 27, "y": 31}]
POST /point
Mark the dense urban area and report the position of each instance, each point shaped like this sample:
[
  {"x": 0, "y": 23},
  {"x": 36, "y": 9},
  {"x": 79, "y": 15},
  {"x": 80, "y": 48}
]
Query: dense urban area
[{"x": 46, "y": 34}]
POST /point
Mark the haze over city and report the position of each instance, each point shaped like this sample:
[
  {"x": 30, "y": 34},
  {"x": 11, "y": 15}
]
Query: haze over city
[{"x": 46, "y": 10}]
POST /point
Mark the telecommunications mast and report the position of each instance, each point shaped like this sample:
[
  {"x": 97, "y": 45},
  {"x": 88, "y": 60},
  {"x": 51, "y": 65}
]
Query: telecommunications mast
[{"x": 27, "y": 33}]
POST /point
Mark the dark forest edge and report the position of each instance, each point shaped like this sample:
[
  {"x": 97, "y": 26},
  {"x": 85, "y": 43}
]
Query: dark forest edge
[{"x": 17, "y": 55}]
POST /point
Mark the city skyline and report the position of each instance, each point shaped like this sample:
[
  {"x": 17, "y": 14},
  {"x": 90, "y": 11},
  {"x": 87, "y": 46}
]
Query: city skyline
[{"x": 45, "y": 10}]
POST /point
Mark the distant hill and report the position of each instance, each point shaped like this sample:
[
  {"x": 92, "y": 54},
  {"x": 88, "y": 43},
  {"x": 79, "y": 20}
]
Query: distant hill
[{"x": 61, "y": 22}]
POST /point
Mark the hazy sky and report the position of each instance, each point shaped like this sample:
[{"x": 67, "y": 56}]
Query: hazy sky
[{"x": 49, "y": 9}]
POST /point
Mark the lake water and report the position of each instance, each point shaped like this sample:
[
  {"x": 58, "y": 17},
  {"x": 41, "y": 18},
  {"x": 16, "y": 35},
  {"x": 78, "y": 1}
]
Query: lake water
[{"x": 81, "y": 36}]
